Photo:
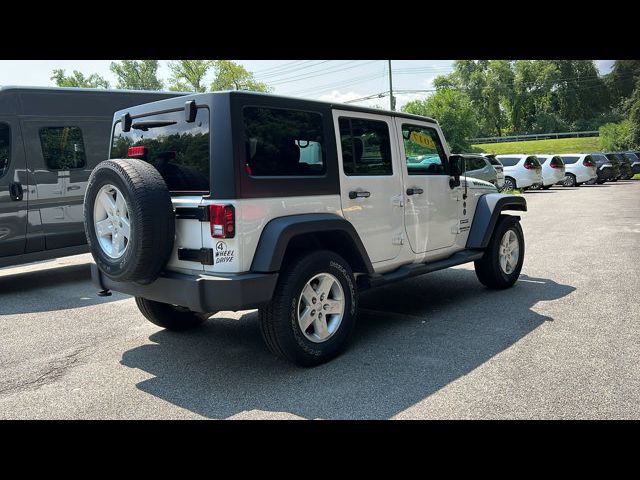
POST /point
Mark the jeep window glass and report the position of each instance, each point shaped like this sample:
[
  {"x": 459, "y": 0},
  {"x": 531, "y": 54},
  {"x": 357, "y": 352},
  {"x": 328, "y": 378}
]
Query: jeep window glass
[
  {"x": 179, "y": 150},
  {"x": 632, "y": 156},
  {"x": 366, "y": 147},
  {"x": 569, "y": 160},
  {"x": 543, "y": 160},
  {"x": 493, "y": 160},
  {"x": 281, "y": 142},
  {"x": 62, "y": 147},
  {"x": 5, "y": 148},
  {"x": 423, "y": 151},
  {"x": 509, "y": 161}
]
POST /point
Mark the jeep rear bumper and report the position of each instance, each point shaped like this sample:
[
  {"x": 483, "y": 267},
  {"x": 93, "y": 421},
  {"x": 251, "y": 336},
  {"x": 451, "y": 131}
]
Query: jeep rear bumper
[{"x": 200, "y": 293}]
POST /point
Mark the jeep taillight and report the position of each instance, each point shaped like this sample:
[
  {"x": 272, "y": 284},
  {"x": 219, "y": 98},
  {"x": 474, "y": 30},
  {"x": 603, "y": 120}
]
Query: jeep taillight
[{"x": 223, "y": 221}]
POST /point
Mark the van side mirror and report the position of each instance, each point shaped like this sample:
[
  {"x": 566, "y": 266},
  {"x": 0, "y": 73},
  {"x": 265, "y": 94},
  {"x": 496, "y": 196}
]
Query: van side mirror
[{"x": 456, "y": 168}]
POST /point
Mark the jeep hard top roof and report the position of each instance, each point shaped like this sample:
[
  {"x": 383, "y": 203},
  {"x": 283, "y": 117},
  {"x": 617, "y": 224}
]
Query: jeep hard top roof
[
  {"x": 67, "y": 102},
  {"x": 283, "y": 101}
]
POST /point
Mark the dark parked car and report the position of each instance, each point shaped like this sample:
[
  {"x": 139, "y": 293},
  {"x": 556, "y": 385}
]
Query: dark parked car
[
  {"x": 635, "y": 162},
  {"x": 623, "y": 162},
  {"x": 608, "y": 170},
  {"x": 50, "y": 139}
]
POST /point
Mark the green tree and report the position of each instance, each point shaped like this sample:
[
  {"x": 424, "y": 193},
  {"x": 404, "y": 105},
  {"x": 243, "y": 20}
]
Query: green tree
[
  {"x": 634, "y": 117},
  {"x": 137, "y": 74},
  {"x": 617, "y": 136},
  {"x": 188, "y": 75},
  {"x": 77, "y": 79},
  {"x": 454, "y": 112},
  {"x": 621, "y": 81},
  {"x": 231, "y": 76}
]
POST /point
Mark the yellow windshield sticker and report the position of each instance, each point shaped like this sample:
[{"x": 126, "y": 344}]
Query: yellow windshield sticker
[{"x": 422, "y": 140}]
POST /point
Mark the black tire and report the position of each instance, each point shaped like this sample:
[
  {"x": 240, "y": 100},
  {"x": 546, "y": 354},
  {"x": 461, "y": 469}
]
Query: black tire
[
  {"x": 488, "y": 268},
  {"x": 509, "y": 184},
  {"x": 152, "y": 220},
  {"x": 600, "y": 182},
  {"x": 170, "y": 317},
  {"x": 546, "y": 187},
  {"x": 614, "y": 179},
  {"x": 570, "y": 180},
  {"x": 279, "y": 319}
]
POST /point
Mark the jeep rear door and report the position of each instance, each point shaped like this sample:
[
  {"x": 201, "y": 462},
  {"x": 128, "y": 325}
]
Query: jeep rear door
[
  {"x": 370, "y": 181},
  {"x": 431, "y": 211}
]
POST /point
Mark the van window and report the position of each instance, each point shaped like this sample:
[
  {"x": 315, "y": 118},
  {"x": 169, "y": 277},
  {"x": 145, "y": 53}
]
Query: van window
[
  {"x": 5, "y": 148},
  {"x": 62, "y": 147},
  {"x": 366, "y": 147},
  {"x": 281, "y": 142},
  {"x": 178, "y": 149},
  {"x": 509, "y": 161},
  {"x": 423, "y": 150}
]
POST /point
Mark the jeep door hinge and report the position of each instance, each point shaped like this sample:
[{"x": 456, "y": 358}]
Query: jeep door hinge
[{"x": 397, "y": 200}]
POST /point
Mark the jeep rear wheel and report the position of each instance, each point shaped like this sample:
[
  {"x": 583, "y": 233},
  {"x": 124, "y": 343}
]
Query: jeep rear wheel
[
  {"x": 171, "y": 317},
  {"x": 502, "y": 261},
  {"x": 313, "y": 311}
]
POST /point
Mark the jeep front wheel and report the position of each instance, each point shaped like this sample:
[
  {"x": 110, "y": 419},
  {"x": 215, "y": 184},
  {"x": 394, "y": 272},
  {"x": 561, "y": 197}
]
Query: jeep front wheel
[
  {"x": 313, "y": 311},
  {"x": 502, "y": 261}
]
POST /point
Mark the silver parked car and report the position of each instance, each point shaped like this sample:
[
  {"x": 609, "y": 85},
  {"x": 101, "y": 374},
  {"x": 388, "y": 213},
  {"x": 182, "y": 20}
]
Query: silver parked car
[{"x": 480, "y": 167}]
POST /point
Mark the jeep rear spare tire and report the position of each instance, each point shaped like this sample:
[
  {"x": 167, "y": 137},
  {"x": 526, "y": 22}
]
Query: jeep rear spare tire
[{"x": 129, "y": 220}]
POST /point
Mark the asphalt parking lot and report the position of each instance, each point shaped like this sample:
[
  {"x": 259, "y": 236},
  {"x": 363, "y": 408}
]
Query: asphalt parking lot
[{"x": 564, "y": 342}]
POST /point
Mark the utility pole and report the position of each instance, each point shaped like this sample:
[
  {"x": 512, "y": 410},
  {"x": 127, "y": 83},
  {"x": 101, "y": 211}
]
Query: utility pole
[{"x": 392, "y": 100}]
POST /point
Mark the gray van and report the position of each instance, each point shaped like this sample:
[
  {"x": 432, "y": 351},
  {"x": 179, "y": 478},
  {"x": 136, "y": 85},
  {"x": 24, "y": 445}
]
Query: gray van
[{"x": 50, "y": 139}]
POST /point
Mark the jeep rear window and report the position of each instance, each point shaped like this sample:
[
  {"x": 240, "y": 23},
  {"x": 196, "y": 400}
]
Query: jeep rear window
[
  {"x": 598, "y": 157},
  {"x": 509, "y": 161},
  {"x": 569, "y": 160},
  {"x": 281, "y": 142},
  {"x": 493, "y": 160},
  {"x": 178, "y": 149},
  {"x": 631, "y": 156}
]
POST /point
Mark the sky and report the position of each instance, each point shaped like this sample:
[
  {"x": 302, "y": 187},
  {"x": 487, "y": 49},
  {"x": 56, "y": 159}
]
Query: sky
[{"x": 330, "y": 80}]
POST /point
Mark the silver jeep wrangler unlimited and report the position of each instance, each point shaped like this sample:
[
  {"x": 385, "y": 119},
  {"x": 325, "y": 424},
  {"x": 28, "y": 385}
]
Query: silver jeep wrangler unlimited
[{"x": 238, "y": 200}]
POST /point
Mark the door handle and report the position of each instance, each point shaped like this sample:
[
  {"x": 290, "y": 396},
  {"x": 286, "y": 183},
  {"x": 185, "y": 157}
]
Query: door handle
[
  {"x": 73, "y": 187},
  {"x": 353, "y": 194},
  {"x": 15, "y": 191},
  {"x": 415, "y": 191}
]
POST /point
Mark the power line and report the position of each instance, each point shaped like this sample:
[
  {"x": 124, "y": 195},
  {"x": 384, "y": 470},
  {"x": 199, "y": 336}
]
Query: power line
[{"x": 306, "y": 76}]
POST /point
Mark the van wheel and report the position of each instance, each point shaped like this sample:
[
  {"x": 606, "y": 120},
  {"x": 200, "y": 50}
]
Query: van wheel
[
  {"x": 509, "y": 184},
  {"x": 171, "y": 317},
  {"x": 570, "y": 180},
  {"x": 546, "y": 187},
  {"x": 313, "y": 310},
  {"x": 502, "y": 261}
]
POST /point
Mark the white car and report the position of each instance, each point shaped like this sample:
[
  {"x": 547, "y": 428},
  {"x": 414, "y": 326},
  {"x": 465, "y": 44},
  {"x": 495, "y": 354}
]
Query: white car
[
  {"x": 521, "y": 171},
  {"x": 553, "y": 170},
  {"x": 579, "y": 168}
]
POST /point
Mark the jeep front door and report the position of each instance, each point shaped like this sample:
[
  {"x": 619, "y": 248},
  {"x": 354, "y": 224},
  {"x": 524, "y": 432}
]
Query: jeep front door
[
  {"x": 431, "y": 210},
  {"x": 370, "y": 181},
  {"x": 13, "y": 193}
]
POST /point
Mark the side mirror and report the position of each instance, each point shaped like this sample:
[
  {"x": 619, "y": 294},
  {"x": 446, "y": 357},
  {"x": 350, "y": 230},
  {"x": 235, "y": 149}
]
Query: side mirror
[{"x": 456, "y": 168}]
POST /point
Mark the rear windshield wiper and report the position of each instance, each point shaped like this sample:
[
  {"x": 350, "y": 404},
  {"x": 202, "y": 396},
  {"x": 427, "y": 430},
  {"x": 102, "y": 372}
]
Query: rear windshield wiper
[{"x": 144, "y": 126}]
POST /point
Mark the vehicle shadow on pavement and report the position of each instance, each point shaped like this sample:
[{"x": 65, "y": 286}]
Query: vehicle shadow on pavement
[
  {"x": 412, "y": 339},
  {"x": 61, "y": 288}
]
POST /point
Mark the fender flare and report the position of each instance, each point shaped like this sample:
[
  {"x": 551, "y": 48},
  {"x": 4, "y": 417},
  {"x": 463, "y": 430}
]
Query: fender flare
[
  {"x": 277, "y": 234},
  {"x": 488, "y": 211}
]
